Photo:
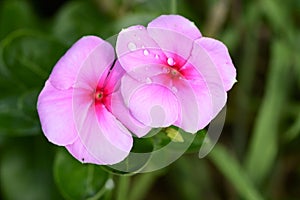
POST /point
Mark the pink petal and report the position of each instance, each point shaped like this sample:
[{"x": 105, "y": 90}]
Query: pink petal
[
  {"x": 154, "y": 105},
  {"x": 219, "y": 54},
  {"x": 210, "y": 76},
  {"x": 66, "y": 69},
  {"x": 103, "y": 136},
  {"x": 138, "y": 54},
  {"x": 55, "y": 111},
  {"x": 174, "y": 35},
  {"x": 94, "y": 69},
  {"x": 78, "y": 151},
  {"x": 191, "y": 114},
  {"x": 176, "y": 23},
  {"x": 122, "y": 113}
]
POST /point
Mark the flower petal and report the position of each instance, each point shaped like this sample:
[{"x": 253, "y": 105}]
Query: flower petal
[
  {"x": 174, "y": 35},
  {"x": 66, "y": 69},
  {"x": 190, "y": 113},
  {"x": 94, "y": 69},
  {"x": 78, "y": 151},
  {"x": 176, "y": 23},
  {"x": 55, "y": 111},
  {"x": 210, "y": 76},
  {"x": 122, "y": 113},
  {"x": 219, "y": 54},
  {"x": 103, "y": 136},
  {"x": 154, "y": 105},
  {"x": 138, "y": 54}
]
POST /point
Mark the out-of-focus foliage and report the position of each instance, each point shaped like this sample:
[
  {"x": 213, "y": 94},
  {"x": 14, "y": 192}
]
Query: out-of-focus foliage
[{"x": 257, "y": 156}]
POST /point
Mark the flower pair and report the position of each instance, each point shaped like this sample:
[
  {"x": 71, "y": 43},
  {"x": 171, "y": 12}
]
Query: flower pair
[{"x": 165, "y": 74}]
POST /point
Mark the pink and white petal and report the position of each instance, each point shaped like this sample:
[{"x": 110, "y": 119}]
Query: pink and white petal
[
  {"x": 56, "y": 115},
  {"x": 219, "y": 54},
  {"x": 113, "y": 80},
  {"x": 154, "y": 105},
  {"x": 128, "y": 87},
  {"x": 174, "y": 35},
  {"x": 176, "y": 23},
  {"x": 210, "y": 76},
  {"x": 94, "y": 69},
  {"x": 78, "y": 151},
  {"x": 103, "y": 136},
  {"x": 137, "y": 53},
  {"x": 64, "y": 73},
  {"x": 189, "y": 112},
  {"x": 122, "y": 113}
]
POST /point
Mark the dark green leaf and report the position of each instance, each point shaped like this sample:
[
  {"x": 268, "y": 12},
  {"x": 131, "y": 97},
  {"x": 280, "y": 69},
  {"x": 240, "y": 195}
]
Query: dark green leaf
[
  {"x": 77, "y": 180},
  {"x": 25, "y": 170}
]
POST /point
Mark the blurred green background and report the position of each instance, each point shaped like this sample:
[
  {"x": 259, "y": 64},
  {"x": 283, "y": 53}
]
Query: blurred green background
[{"x": 258, "y": 153}]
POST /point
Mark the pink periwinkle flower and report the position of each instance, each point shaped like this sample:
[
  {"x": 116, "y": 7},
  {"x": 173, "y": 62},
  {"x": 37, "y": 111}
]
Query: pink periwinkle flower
[
  {"x": 75, "y": 104},
  {"x": 174, "y": 75}
]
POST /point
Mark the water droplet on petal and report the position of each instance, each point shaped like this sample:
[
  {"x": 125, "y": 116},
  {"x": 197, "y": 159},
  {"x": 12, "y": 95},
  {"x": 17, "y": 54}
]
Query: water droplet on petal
[
  {"x": 166, "y": 70},
  {"x": 148, "y": 80},
  {"x": 156, "y": 56},
  {"x": 131, "y": 46},
  {"x": 174, "y": 89},
  {"x": 170, "y": 61},
  {"x": 146, "y": 52}
]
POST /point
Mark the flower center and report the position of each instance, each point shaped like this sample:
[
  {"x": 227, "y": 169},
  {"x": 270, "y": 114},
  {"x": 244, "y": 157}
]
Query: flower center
[{"x": 99, "y": 96}]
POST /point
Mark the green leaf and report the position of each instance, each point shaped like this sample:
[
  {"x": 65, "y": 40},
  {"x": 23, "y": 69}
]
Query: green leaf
[
  {"x": 264, "y": 145},
  {"x": 76, "y": 180},
  {"x": 197, "y": 142},
  {"x": 232, "y": 170},
  {"x": 137, "y": 159},
  {"x": 25, "y": 170},
  {"x": 26, "y": 59},
  {"x": 79, "y": 18},
  {"x": 14, "y": 15}
]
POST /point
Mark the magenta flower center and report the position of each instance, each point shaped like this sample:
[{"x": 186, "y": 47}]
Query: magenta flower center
[{"x": 99, "y": 96}]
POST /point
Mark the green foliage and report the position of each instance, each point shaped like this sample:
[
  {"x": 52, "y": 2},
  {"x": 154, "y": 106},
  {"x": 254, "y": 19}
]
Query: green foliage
[{"x": 76, "y": 180}]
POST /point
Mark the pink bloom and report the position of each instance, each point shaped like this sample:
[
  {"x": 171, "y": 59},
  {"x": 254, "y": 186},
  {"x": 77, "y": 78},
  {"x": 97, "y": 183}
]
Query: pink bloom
[
  {"x": 174, "y": 75},
  {"x": 75, "y": 105}
]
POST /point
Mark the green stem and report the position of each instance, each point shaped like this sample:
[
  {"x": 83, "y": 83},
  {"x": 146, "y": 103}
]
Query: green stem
[
  {"x": 173, "y": 6},
  {"x": 142, "y": 184},
  {"x": 123, "y": 187}
]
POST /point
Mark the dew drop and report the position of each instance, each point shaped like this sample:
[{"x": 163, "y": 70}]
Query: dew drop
[
  {"x": 156, "y": 56},
  {"x": 146, "y": 52},
  {"x": 174, "y": 89},
  {"x": 170, "y": 61},
  {"x": 131, "y": 46},
  {"x": 148, "y": 80},
  {"x": 166, "y": 70}
]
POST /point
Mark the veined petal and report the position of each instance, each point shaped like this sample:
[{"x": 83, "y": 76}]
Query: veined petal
[
  {"x": 176, "y": 23},
  {"x": 123, "y": 114},
  {"x": 64, "y": 74},
  {"x": 219, "y": 54},
  {"x": 56, "y": 115},
  {"x": 154, "y": 105}
]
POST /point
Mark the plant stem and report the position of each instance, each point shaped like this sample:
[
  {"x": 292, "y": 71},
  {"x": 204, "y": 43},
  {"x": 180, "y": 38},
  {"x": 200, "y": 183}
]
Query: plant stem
[
  {"x": 123, "y": 187},
  {"x": 173, "y": 6}
]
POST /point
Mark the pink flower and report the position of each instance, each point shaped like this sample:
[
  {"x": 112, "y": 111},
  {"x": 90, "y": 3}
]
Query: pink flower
[
  {"x": 75, "y": 105},
  {"x": 174, "y": 75}
]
